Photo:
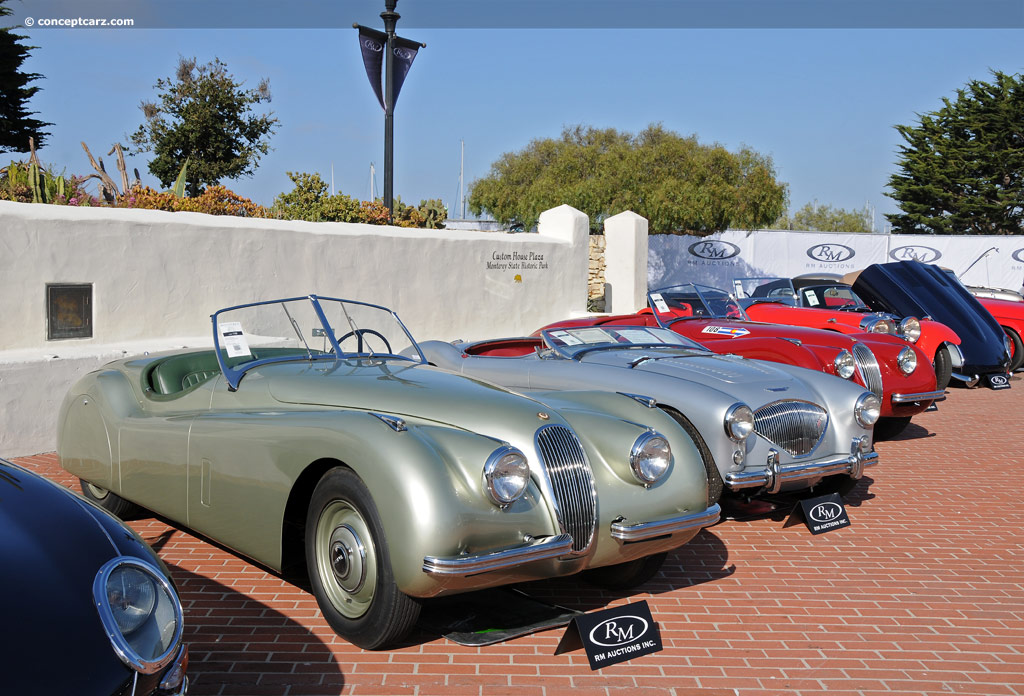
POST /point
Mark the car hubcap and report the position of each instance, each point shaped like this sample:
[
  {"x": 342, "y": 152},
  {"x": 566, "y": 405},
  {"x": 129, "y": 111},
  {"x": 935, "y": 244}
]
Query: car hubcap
[
  {"x": 97, "y": 492},
  {"x": 346, "y": 560}
]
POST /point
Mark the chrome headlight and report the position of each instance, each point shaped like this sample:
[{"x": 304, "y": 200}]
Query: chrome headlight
[
  {"x": 650, "y": 457},
  {"x": 878, "y": 325},
  {"x": 739, "y": 422},
  {"x": 506, "y": 475},
  {"x": 910, "y": 329},
  {"x": 140, "y": 613},
  {"x": 907, "y": 360},
  {"x": 868, "y": 409},
  {"x": 845, "y": 364}
]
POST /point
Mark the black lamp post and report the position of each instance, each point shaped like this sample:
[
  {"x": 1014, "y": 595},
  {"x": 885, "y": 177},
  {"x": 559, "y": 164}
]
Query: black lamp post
[
  {"x": 395, "y": 49},
  {"x": 390, "y": 18}
]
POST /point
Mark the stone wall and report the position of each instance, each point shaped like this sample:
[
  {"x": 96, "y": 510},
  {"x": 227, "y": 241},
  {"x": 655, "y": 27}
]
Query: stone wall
[{"x": 596, "y": 275}]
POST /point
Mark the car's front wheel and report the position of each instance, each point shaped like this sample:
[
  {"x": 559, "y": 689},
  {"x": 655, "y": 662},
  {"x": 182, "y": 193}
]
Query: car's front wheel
[
  {"x": 1016, "y": 349},
  {"x": 943, "y": 367},
  {"x": 350, "y": 566},
  {"x": 623, "y": 576},
  {"x": 110, "y": 502}
]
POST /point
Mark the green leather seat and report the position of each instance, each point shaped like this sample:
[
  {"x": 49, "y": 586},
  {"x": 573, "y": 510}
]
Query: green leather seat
[{"x": 181, "y": 372}]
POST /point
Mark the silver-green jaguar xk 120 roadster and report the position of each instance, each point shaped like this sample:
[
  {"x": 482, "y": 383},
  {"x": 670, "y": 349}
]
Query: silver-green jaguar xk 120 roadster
[{"x": 306, "y": 440}]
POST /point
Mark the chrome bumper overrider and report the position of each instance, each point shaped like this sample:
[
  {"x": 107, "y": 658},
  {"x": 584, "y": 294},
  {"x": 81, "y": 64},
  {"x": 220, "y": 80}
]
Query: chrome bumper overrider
[
  {"x": 774, "y": 475},
  {"x": 539, "y": 549},
  {"x": 922, "y": 396},
  {"x": 625, "y": 532}
]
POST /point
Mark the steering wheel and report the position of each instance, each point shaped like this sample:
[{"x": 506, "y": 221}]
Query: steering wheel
[{"x": 359, "y": 334}]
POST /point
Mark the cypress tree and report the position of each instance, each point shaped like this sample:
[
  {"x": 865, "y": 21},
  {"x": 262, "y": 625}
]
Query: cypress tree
[{"x": 962, "y": 166}]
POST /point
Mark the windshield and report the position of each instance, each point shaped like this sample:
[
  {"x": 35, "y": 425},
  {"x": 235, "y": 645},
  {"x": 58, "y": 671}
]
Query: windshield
[
  {"x": 831, "y": 297},
  {"x": 310, "y": 328},
  {"x": 574, "y": 342},
  {"x": 774, "y": 289},
  {"x": 688, "y": 301}
]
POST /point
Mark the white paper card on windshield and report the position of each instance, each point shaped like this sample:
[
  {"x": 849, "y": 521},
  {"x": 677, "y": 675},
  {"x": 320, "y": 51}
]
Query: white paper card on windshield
[
  {"x": 566, "y": 338},
  {"x": 232, "y": 339},
  {"x": 812, "y": 299},
  {"x": 659, "y": 302},
  {"x": 639, "y": 336},
  {"x": 593, "y": 335}
]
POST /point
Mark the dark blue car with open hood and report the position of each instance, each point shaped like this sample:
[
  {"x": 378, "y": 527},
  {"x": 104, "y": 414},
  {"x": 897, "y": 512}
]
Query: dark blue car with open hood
[{"x": 913, "y": 288}]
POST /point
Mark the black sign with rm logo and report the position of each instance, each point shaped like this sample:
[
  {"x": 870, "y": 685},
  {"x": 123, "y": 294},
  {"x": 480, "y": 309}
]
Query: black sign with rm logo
[
  {"x": 825, "y": 513},
  {"x": 613, "y": 635},
  {"x": 998, "y": 381}
]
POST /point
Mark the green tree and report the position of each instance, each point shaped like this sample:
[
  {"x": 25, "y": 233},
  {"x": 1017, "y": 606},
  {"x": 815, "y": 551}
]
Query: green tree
[
  {"x": 204, "y": 115},
  {"x": 825, "y": 218},
  {"x": 16, "y": 122},
  {"x": 309, "y": 200},
  {"x": 678, "y": 184},
  {"x": 961, "y": 168}
]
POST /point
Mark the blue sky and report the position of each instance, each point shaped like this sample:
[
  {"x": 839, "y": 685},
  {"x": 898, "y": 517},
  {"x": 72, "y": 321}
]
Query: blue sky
[{"x": 821, "y": 101}]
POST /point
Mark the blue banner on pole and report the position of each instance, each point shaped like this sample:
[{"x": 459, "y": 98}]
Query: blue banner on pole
[{"x": 372, "y": 44}]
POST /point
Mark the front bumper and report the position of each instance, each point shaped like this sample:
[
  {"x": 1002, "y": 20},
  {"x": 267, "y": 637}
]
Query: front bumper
[
  {"x": 553, "y": 547},
  {"x": 775, "y": 475},
  {"x": 642, "y": 531},
  {"x": 939, "y": 395}
]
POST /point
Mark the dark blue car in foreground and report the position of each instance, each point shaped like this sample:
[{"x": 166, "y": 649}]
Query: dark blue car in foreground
[{"x": 88, "y": 608}]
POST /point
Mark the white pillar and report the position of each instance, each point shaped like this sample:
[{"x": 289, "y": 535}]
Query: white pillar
[
  {"x": 572, "y": 226},
  {"x": 625, "y": 263}
]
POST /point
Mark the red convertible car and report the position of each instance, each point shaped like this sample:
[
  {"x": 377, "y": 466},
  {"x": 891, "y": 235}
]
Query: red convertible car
[
  {"x": 1010, "y": 316},
  {"x": 899, "y": 373},
  {"x": 1007, "y": 308},
  {"x": 823, "y": 302}
]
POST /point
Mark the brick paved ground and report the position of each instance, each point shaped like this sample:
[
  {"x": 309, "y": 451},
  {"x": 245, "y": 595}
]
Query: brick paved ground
[{"x": 924, "y": 594}]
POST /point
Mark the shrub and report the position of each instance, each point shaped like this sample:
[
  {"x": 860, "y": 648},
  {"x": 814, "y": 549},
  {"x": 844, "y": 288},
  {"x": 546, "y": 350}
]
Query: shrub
[{"x": 215, "y": 200}]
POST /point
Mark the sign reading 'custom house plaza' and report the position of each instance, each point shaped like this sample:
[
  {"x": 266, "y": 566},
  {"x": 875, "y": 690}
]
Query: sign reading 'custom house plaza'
[{"x": 516, "y": 261}]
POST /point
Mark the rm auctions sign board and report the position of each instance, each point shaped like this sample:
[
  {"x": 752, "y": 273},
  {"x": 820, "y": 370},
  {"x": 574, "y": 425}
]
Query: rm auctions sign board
[
  {"x": 718, "y": 259},
  {"x": 613, "y": 635}
]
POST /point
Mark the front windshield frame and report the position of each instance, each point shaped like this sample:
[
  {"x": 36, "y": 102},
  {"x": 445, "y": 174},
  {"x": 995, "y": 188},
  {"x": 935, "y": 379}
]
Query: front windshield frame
[
  {"x": 703, "y": 293},
  {"x": 672, "y": 340},
  {"x": 233, "y": 373}
]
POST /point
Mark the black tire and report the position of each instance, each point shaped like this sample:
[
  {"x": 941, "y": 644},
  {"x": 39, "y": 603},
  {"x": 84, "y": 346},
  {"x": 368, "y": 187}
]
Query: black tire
[
  {"x": 1017, "y": 358},
  {"x": 888, "y": 428},
  {"x": 350, "y": 566},
  {"x": 624, "y": 576},
  {"x": 110, "y": 502},
  {"x": 715, "y": 483},
  {"x": 943, "y": 368}
]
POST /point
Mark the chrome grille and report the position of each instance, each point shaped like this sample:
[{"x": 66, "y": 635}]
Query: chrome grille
[
  {"x": 795, "y": 426},
  {"x": 868, "y": 366},
  {"x": 572, "y": 483}
]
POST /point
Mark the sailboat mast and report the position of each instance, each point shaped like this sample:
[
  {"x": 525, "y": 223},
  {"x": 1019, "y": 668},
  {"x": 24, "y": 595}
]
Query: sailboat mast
[{"x": 462, "y": 164}]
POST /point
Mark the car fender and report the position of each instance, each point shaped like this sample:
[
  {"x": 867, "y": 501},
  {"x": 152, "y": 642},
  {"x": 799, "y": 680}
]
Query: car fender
[
  {"x": 430, "y": 500},
  {"x": 934, "y": 335}
]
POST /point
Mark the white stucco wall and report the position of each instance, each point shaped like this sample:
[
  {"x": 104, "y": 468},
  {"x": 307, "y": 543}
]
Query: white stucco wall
[{"x": 158, "y": 276}]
